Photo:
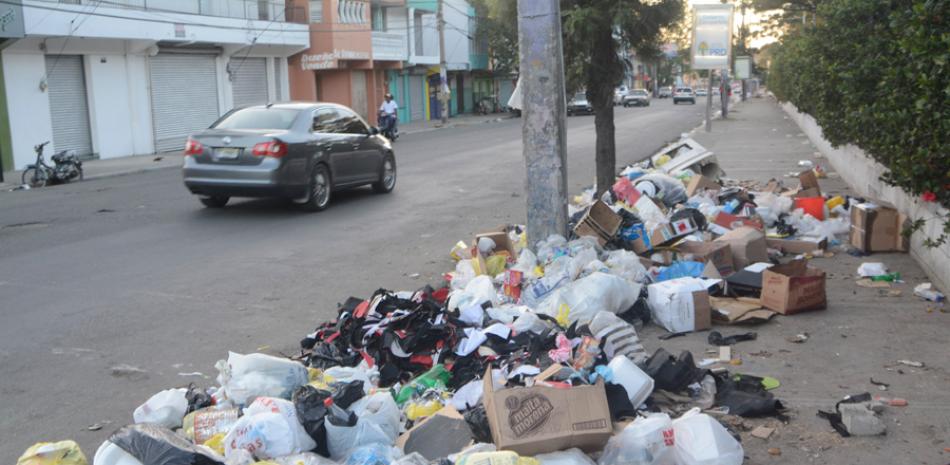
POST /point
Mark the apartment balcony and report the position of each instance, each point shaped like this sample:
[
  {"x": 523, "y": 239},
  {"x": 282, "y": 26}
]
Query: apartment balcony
[
  {"x": 390, "y": 46},
  {"x": 224, "y": 22}
]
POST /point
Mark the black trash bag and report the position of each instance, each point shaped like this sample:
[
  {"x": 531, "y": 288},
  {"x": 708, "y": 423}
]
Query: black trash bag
[
  {"x": 639, "y": 311},
  {"x": 717, "y": 339},
  {"x": 673, "y": 374},
  {"x": 618, "y": 402},
  {"x": 477, "y": 421},
  {"x": 156, "y": 445},
  {"x": 197, "y": 398},
  {"x": 746, "y": 397},
  {"x": 834, "y": 418},
  {"x": 348, "y": 393},
  {"x": 326, "y": 355},
  {"x": 312, "y": 412}
]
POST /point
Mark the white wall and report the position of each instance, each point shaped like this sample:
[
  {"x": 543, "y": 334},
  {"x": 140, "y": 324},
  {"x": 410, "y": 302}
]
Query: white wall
[
  {"x": 456, "y": 41},
  {"x": 140, "y": 104},
  {"x": 30, "y": 121},
  {"x": 107, "y": 90},
  {"x": 863, "y": 174}
]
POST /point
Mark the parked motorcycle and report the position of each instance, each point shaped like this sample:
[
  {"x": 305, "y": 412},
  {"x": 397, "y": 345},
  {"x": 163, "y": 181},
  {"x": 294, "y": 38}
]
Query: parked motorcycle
[
  {"x": 387, "y": 126},
  {"x": 66, "y": 168}
]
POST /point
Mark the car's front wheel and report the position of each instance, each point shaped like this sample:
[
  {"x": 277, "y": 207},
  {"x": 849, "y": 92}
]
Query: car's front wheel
[
  {"x": 387, "y": 178},
  {"x": 215, "y": 201},
  {"x": 318, "y": 192}
]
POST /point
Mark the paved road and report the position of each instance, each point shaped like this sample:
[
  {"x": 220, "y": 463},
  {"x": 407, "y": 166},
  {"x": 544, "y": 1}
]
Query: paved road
[{"x": 131, "y": 271}]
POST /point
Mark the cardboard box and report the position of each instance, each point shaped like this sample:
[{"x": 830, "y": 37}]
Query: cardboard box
[
  {"x": 538, "y": 419},
  {"x": 443, "y": 433},
  {"x": 730, "y": 221},
  {"x": 737, "y": 311},
  {"x": 797, "y": 246},
  {"x": 699, "y": 183},
  {"x": 599, "y": 222},
  {"x": 668, "y": 233},
  {"x": 719, "y": 254},
  {"x": 876, "y": 228},
  {"x": 680, "y": 304},
  {"x": 793, "y": 288},
  {"x": 502, "y": 245},
  {"x": 809, "y": 181},
  {"x": 748, "y": 246}
]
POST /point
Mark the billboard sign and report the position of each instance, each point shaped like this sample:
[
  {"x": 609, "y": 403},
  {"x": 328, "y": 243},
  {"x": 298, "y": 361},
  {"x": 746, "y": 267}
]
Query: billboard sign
[
  {"x": 712, "y": 36},
  {"x": 743, "y": 67}
]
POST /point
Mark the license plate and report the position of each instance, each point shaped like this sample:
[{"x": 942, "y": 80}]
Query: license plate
[{"x": 227, "y": 153}]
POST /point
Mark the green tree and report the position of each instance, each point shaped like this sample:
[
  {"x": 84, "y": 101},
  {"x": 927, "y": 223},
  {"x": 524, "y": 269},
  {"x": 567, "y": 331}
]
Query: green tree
[
  {"x": 594, "y": 32},
  {"x": 498, "y": 26}
]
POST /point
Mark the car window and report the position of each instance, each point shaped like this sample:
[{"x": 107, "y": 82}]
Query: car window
[
  {"x": 580, "y": 96},
  {"x": 327, "y": 120},
  {"x": 352, "y": 124},
  {"x": 258, "y": 118}
]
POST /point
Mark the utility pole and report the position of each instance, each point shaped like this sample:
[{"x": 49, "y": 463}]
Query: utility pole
[
  {"x": 709, "y": 94},
  {"x": 443, "y": 74},
  {"x": 724, "y": 83},
  {"x": 544, "y": 113}
]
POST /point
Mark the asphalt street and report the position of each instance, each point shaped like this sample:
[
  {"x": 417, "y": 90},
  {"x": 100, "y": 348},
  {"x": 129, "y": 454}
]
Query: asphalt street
[{"x": 114, "y": 289}]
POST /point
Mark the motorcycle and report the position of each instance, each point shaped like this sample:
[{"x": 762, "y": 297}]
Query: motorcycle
[
  {"x": 66, "y": 168},
  {"x": 387, "y": 126}
]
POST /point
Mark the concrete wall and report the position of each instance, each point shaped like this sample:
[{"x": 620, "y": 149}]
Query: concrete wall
[
  {"x": 30, "y": 121},
  {"x": 863, "y": 174}
]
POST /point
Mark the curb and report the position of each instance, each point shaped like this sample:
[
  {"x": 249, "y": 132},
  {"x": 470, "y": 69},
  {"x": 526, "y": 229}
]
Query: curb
[{"x": 10, "y": 187}]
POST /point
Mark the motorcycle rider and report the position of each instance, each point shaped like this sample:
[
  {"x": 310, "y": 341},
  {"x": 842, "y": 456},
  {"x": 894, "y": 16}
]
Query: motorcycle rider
[{"x": 387, "y": 113}]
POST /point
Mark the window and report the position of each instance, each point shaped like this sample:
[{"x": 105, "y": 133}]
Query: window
[
  {"x": 352, "y": 124},
  {"x": 326, "y": 120},
  {"x": 316, "y": 11},
  {"x": 258, "y": 118},
  {"x": 379, "y": 19}
]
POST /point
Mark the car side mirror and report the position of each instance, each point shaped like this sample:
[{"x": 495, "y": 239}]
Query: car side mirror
[{"x": 373, "y": 130}]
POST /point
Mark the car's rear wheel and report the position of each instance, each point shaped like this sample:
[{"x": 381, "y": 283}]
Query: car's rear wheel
[
  {"x": 387, "y": 178},
  {"x": 318, "y": 193},
  {"x": 215, "y": 201}
]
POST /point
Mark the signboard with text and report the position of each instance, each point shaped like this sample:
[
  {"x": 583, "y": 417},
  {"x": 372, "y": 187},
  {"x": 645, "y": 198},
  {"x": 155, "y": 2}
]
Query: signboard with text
[
  {"x": 11, "y": 20},
  {"x": 743, "y": 67},
  {"x": 712, "y": 36}
]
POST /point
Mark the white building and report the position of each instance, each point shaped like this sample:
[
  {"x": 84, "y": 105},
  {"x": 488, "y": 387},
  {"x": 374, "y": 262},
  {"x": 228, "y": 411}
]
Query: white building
[{"x": 113, "y": 78}]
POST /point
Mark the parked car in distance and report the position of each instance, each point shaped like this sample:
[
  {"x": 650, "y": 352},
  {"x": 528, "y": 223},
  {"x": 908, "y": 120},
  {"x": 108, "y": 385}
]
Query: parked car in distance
[
  {"x": 701, "y": 92},
  {"x": 297, "y": 151},
  {"x": 684, "y": 94},
  {"x": 665, "y": 92},
  {"x": 637, "y": 98},
  {"x": 579, "y": 104},
  {"x": 619, "y": 94}
]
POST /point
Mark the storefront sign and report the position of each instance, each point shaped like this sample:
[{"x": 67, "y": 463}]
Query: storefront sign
[
  {"x": 712, "y": 36},
  {"x": 328, "y": 60}
]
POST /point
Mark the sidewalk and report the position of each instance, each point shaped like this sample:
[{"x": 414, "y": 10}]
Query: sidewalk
[
  {"x": 93, "y": 169},
  {"x": 861, "y": 335}
]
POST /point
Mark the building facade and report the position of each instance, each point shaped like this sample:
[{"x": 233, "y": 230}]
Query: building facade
[{"x": 130, "y": 77}]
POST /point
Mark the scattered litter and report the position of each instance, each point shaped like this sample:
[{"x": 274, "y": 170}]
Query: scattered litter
[
  {"x": 775, "y": 451},
  {"x": 131, "y": 372},
  {"x": 872, "y": 284},
  {"x": 717, "y": 339},
  {"x": 926, "y": 291},
  {"x": 762, "y": 432},
  {"x": 881, "y": 386},
  {"x": 798, "y": 338},
  {"x": 911, "y": 363},
  {"x": 871, "y": 269}
]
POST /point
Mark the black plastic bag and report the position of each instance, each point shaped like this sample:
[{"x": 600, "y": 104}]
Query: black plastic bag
[
  {"x": 348, "y": 393},
  {"x": 197, "y": 398},
  {"x": 156, "y": 445},
  {"x": 477, "y": 421},
  {"x": 746, "y": 397},
  {"x": 312, "y": 412},
  {"x": 717, "y": 339},
  {"x": 673, "y": 374}
]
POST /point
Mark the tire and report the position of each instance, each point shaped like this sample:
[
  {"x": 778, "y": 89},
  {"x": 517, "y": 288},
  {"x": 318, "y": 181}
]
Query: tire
[
  {"x": 387, "y": 178},
  {"x": 32, "y": 177},
  {"x": 217, "y": 201},
  {"x": 79, "y": 170},
  {"x": 319, "y": 190}
]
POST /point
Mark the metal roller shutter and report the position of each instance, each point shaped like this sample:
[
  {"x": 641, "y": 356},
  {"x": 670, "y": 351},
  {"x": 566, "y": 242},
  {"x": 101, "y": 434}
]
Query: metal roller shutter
[
  {"x": 184, "y": 97},
  {"x": 69, "y": 109},
  {"x": 358, "y": 93},
  {"x": 278, "y": 79},
  {"x": 417, "y": 104},
  {"x": 249, "y": 82}
]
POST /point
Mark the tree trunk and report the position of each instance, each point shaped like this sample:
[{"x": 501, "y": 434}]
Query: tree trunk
[{"x": 600, "y": 91}]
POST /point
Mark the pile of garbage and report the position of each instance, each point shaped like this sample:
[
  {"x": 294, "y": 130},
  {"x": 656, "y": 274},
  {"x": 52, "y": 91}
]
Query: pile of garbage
[{"x": 531, "y": 355}]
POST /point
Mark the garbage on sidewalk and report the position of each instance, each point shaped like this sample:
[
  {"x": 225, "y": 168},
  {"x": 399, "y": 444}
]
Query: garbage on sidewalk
[{"x": 531, "y": 354}]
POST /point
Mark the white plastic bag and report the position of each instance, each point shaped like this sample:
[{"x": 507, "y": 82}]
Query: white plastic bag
[
  {"x": 167, "y": 408},
  {"x": 269, "y": 428},
  {"x": 529, "y": 321},
  {"x": 526, "y": 263},
  {"x": 588, "y": 295},
  {"x": 701, "y": 440},
  {"x": 373, "y": 454},
  {"x": 244, "y": 377},
  {"x": 464, "y": 273},
  {"x": 646, "y": 441},
  {"x": 573, "y": 456},
  {"x": 551, "y": 248},
  {"x": 361, "y": 372},
  {"x": 627, "y": 265},
  {"x": 303, "y": 458},
  {"x": 477, "y": 291},
  {"x": 871, "y": 269},
  {"x": 377, "y": 423}
]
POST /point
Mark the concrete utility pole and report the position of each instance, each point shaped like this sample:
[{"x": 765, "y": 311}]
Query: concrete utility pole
[
  {"x": 709, "y": 94},
  {"x": 443, "y": 74},
  {"x": 725, "y": 92},
  {"x": 544, "y": 113}
]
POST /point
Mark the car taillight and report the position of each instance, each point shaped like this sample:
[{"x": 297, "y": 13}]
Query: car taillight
[
  {"x": 274, "y": 148},
  {"x": 193, "y": 147}
]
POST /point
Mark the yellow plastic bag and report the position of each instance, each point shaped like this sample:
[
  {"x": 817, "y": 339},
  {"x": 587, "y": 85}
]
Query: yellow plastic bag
[
  {"x": 216, "y": 443},
  {"x": 460, "y": 251},
  {"x": 563, "y": 316},
  {"x": 496, "y": 264},
  {"x": 53, "y": 453},
  {"x": 319, "y": 379},
  {"x": 417, "y": 410}
]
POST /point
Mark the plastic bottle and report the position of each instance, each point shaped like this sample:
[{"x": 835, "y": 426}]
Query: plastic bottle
[
  {"x": 435, "y": 378},
  {"x": 646, "y": 441},
  {"x": 890, "y": 277}
]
